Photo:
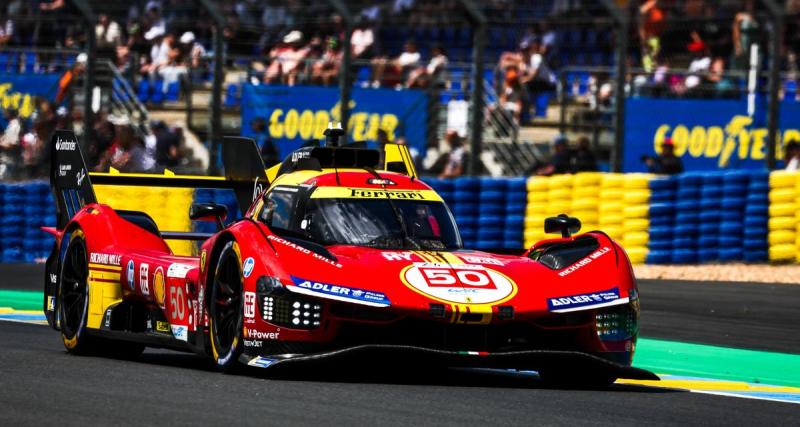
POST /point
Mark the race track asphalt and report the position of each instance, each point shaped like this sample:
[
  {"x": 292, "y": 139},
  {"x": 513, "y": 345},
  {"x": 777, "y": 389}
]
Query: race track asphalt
[{"x": 40, "y": 384}]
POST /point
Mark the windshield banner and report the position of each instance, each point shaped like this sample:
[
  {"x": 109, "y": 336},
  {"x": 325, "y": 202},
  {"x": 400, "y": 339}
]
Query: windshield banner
[
  {"x": 18, "y": 91},
  {"x": 708, "y": 134},
  {"x": 294, "y": 115},
  {"x": 371, "y": 193}
]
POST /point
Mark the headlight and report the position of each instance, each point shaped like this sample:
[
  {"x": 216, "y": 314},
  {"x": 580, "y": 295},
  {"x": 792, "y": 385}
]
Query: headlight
[
  {"x": 618, "y": 323},
  {"x": 283, "y": 308}
]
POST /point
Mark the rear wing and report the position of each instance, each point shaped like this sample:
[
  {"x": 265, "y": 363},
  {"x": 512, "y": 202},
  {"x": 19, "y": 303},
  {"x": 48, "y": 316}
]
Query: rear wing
[{"x": 72, "y": 185}]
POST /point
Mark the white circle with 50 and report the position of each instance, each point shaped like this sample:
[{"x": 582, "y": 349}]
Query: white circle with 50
[{"x": 459, "y": 283}]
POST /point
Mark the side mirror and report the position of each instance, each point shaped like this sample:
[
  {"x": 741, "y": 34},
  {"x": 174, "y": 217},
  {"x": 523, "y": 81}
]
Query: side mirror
[
  {"x": 566, "y": 225},
  {"x": 209, "y": 212}
]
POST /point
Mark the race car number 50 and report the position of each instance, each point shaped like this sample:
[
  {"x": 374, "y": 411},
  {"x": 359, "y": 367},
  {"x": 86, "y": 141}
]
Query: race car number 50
[{"x": 459, "y": 283}]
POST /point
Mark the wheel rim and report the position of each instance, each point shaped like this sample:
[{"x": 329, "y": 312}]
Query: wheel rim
[
  {"x": 74, "y": 274},
  {"x": 227, "y": 293}
]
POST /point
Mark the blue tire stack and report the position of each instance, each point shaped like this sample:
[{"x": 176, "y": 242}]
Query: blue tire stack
[
  {"x": 491, "y": 217},
  {"x": 709, "y": 228},
  {"x": 731, "y": 217},
  {"x": 39, "y": 211},
  {"x": 12, "y": 225},
  {"x": 687, "y": 219},
  {"x": 756, "y": 217},
  {"x": 516, "y": 200},
  {"x": 662, "y": 219},
  {"x": 465, "y": 198}
]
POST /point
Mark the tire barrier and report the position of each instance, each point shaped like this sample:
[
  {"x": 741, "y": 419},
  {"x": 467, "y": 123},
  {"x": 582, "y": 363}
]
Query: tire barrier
[{"x": 749, "y": 216}]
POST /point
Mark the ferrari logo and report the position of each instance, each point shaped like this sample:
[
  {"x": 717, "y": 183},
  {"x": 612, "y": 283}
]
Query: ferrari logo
[{"x": 203, "y": 260}]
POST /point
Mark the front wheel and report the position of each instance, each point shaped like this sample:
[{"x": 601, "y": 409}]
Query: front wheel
[{"x": 225, "y": 309}]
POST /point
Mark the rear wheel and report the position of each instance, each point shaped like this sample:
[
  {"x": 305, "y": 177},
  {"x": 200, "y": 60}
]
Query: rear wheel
[
  {"x": 225, "y": 309},
  {"x": 74, "y": 306},
  {"x": 74, "y": 296}
]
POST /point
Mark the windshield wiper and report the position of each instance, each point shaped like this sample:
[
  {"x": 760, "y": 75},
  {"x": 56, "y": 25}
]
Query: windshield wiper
[{"x": 397, "y": 214}]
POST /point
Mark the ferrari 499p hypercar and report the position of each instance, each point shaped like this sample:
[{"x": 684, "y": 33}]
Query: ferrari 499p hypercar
[{"x": 338, "y": 256}]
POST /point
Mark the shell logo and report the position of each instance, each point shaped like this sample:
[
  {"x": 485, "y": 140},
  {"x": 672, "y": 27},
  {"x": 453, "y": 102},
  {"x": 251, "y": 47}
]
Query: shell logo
[{"x": 158, "y": 286}]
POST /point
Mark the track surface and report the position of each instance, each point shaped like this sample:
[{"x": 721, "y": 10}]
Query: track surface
[{"x": 41, "y": 384}]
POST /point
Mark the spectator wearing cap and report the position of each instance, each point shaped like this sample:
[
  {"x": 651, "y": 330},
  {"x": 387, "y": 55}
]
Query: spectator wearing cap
[
  {"x": 192, "y": 50},
  {"x": 667, "y": 162},
  {"x": 286, "y": 59}
]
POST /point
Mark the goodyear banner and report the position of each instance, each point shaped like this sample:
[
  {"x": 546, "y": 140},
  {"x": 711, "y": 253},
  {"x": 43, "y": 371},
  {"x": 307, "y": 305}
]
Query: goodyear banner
[
  {"x": 18, "y": 91},
  {"x": 708, "y": 134},
  {"x": 297, "y": 114}
]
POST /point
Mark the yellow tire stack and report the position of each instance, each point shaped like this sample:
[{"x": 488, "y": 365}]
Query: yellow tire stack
[
  {"x": 635, "y": 225},
  {"x": 586, "y": 199},
  {"x": 611, "y": 206},
  {"x": 169, "y": 207},
  {"x": 782, "y": 216},
  {"x": 536, "y": 209}
]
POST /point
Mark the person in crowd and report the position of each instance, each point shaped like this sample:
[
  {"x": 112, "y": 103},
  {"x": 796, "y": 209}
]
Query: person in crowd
[
  {"x": 792, "y": 157},
  {"x": 560, "y": 161},
  {"x": 10, "y": 144},
  {"x": 700, "y": 65},
  {"x": 128, "y": 153},
  {"x": 584, "y": 159},
  {"x": 666, "y": 163},
  {"x": 362, "y": 40},
  {"x": 455, "y": 157},
  {"x": 167, "y": 145},
  {"x": 267, "y": 148},
  {"x": 745, "y": 31},
  {"x": 287, "y": 59},
  {"x": 513, "y": 98},
  {"x": 66, "y": 84},
  {"x": 652, "y": 20},
  {"x": 326, "y": 69},
  {"x": 390, "y": 72},
  {"x": 430, "y": 74},
  {"x": 104, "y": 133},
  {"x": 107, "y": 33},
  {"x": 192, "y": 50},
  {"x": 6, "y": 29}
]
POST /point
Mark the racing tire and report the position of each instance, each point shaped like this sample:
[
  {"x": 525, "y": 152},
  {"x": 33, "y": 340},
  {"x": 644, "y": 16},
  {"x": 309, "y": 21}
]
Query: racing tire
[
  {"x": 74, "y": 307},
  {"x": 225, "y": 309},
  {"x": 74, "y": 296},
  {"x": 573, "y": 378}
]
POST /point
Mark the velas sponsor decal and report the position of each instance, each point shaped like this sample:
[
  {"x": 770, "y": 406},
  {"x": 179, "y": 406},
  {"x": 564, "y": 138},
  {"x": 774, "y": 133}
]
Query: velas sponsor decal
[
  {"x": 247, "y": 267},
  {"x": 129, "y": 273},
  {"x": 180, "y": 332},
  {"x": 338, "y": 292},
  {"x": 459, "y": 283},
  {"x": 585, "y": 301},
  {"x": 178, "y": 270},
  {"x": 107, "y": 259}
]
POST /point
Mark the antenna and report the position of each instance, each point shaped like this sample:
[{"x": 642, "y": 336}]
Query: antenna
[{"x": 333, "y": 133}]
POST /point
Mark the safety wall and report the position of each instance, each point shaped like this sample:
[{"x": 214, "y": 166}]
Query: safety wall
[{"x": 749, "y": 216}]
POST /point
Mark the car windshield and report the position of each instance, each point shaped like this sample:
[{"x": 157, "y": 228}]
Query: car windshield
[{"x": 374, "y": 223}]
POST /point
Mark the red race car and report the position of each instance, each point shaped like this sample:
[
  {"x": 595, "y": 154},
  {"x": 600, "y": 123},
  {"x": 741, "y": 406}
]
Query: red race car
[{"x": 339, "y": 256}]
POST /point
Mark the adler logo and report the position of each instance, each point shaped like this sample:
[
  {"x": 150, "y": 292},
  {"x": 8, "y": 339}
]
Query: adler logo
[{"x": 62, "y": 145}]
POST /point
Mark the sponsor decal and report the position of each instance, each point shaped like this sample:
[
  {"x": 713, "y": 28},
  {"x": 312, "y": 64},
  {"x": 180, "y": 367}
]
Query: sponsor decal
[
  {"x": 203, "y": 260},
  {"x": 51, "y": 303},
  {"x": 314, "y": 255},
  {"x": 586, "y": 261},
  {"x": 584, "y": 301},
  {"x": 180, "y": 332},
  {"x": 381, "y": 181},
  {"x": 250, "y": 304},
  {"x": 258, "y": 188},
  {"x": 107, "y": 259},
  {"x": 297, "y": 155},
  {"x": 480, "y": 260},
  {"x": 178, "y": 271},
  {"x": 397, "y": 256},
  {"x": 63, "y": 169},
  {"x": 247, "y": 267},
  {"x": 62, "y": 145},
  {"x": 129, "y": 273},
  {"x": 53, "y": 278},
  {"x": 261, "y": 362},
  {"x": 382, "y": 194},
  {"x": 162, "y": 326},
  {"x": 340, "y": 293},
  {"x": 144, "y": 286},
  {"x": 107, "y": 321},
  {"x": 177, "y": 303},
  {"x": 80, "y": 176},
  {"x": 253, "y": 343},
  {"x": 258, "y": 335},
  {"x": 459, "y": 283},
  {"x": 158, "y": 286}
]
